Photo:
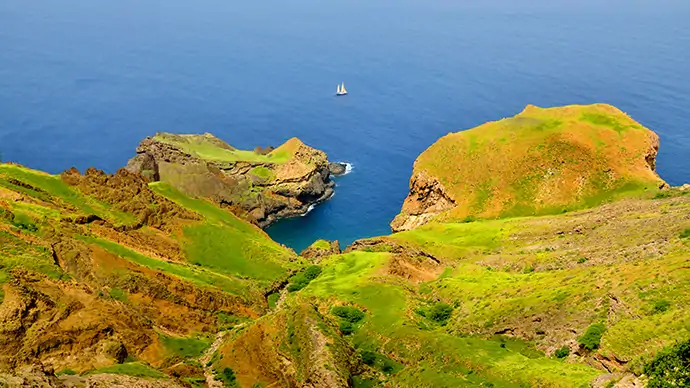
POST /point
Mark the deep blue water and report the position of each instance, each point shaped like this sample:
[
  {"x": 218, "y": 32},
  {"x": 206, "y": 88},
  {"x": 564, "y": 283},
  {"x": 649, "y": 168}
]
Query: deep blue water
[{"x": 83, "y": 81}]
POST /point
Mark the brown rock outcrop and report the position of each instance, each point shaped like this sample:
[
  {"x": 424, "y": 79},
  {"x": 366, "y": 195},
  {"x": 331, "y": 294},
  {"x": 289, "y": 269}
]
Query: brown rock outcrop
[{"x": 261, "y": 191}]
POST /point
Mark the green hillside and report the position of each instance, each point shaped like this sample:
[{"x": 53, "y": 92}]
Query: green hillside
[{"x": 113, "y": 279}]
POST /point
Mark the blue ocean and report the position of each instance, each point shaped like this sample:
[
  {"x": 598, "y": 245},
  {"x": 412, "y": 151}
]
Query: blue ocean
[{"x": 82, "y": 82}]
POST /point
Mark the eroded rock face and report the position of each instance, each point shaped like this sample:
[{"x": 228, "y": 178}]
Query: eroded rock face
[
  {"x": 260, "y": 191},
  {"x": 427, "y": 199}
]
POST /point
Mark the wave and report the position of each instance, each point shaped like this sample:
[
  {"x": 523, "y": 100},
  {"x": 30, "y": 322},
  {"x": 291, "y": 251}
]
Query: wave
[
  {"x": 309, "y": 209},
  {"x": 348, "y": 167}
]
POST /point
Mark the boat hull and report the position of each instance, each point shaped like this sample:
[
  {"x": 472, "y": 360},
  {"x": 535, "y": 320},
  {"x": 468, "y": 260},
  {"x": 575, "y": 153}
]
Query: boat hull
[{"x": 341, "y": 94}]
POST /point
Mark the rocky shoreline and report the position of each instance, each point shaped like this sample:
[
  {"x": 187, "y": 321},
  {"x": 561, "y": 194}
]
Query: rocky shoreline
[{"x": 262, "y": 186}]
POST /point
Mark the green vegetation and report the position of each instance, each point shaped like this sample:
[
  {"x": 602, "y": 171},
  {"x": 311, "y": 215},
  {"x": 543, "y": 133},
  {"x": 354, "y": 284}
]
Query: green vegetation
[
  {"x": 199, "y": 276},
  {"x": 302, "y": 279},
  {"x": 273, "y": 300},
  {"x": 670, "y": 367},
  {"x": 592, "y": 337},
  {"x": 261, "y": 172},
  {"x": 351, "y": 278},
  {"x": 209, "y": 147},
  {"x": 440, "y": 312},
  {"x": 227, "y": 376},
  {"x": 118, "y": 294},
  {"x": 184, "y": 347},
  {"x": 66, "y": 371},
  {"x": 685, "y": 233},
  {"x": 369, "y": 358},
  {"x": 348, "y": 313},
  {"x": 227, "y": 244},
  {"x": 135, "y": 369},
  {"x": 349, "y": 317},
  {"x": 660, "y": 306},
  {"x": 562, "y": 352},
  {"x": 321, "y": 244},
  {"x": 48, "y": 187},
  {"x": 15, "y": 252}
]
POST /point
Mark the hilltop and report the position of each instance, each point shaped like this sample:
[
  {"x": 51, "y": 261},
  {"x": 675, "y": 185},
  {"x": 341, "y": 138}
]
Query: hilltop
[
  {"x": 262, "y": 186},
  {"x": 542, "y": 161}
]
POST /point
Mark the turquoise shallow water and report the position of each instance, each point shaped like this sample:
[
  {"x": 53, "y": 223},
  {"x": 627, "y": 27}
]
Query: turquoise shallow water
[{"x": 82, "y": 81}]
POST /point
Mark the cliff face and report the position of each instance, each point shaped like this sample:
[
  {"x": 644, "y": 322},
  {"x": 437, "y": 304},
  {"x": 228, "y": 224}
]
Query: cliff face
[
  {"x": 262, "y": 185},
  {"x": 540, "y": 161}
]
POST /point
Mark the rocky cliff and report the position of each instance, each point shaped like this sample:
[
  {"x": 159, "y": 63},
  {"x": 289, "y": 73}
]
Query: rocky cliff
[
  {"x": 262, "y": 186},
  {"x": 540, "y": 161}
]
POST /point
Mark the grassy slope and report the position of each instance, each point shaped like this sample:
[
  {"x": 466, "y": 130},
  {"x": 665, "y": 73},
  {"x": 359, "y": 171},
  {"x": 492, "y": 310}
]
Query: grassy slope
[
  {"x": 221, "y": 251},
  {"x": 542, "y": 161},
  {"x": 542, "y": 277},
  {"x": 429, "y": 357},
  {"x": 208, "y": 148}
]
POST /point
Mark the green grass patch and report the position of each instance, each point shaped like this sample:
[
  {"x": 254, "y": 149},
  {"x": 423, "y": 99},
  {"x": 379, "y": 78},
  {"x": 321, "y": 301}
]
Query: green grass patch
[
  {"x": 591, "y": 339},
  {"x": 118, "y": 294},
  {"x": 46, "y": 186},
  {"x": 273, "y": 300},
  {"x": 670, "y": 367},
  {"x": 227, "y": 244},
  {"x": 15, "y": 252},
  {"x": 208, "y": 148},
  {"x": 185, "y": 347},
  {"x": 321, "y": 244},
  {"x": 135, "y": 369},
  {"x": 685, "y": 234},
  {"x": 302, "y": 279},
  {"x": 261, "y": 172},
  {"x": 198, "y": 276},
  {"x": 604, "y": 120}
]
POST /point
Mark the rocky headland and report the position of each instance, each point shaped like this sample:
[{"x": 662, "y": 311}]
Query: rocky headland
[
  {"x": 541, "y": 161},
  {"x": 262, "y": 186}
]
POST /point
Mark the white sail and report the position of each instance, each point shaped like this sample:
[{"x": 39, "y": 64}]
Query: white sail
[
  {"x": 338, "y": 91},
  {"x": 342, "y": 88}
]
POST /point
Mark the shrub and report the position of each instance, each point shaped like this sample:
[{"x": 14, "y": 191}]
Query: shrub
[
  {"x": 348, "y": 313},
  {"x": 592, "y": 337},
  {"x": 22, "y": 221},
  {"x": 388, "y": 366},
  {"x": 368, "y": 357},
  {"x": 303, "y": 278},
  {"x": 346, "y": 327},
  {"x": 312, "y": 272},
  {"x": 582, "y": 260},
  {"x": 563, "y": 352},
  {"x": 661, "y": 306},
  {"x": 685, "y": 233},
  {"x": 441, "y": 312},
  {"x": 227, "y": 376},
  {"x": 670, "y": 367}
]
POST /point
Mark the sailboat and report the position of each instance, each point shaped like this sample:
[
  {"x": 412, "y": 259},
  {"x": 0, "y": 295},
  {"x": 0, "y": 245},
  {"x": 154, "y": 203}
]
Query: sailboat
[{"x": 341, "y": 90}]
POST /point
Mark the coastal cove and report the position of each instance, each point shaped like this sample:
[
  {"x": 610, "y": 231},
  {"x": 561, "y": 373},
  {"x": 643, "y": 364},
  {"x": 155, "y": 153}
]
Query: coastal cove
[{"x": 81, "y": 84}]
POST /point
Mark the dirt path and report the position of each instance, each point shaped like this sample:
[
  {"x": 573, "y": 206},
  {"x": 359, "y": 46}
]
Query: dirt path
[{"x": 211, "y": 381}]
